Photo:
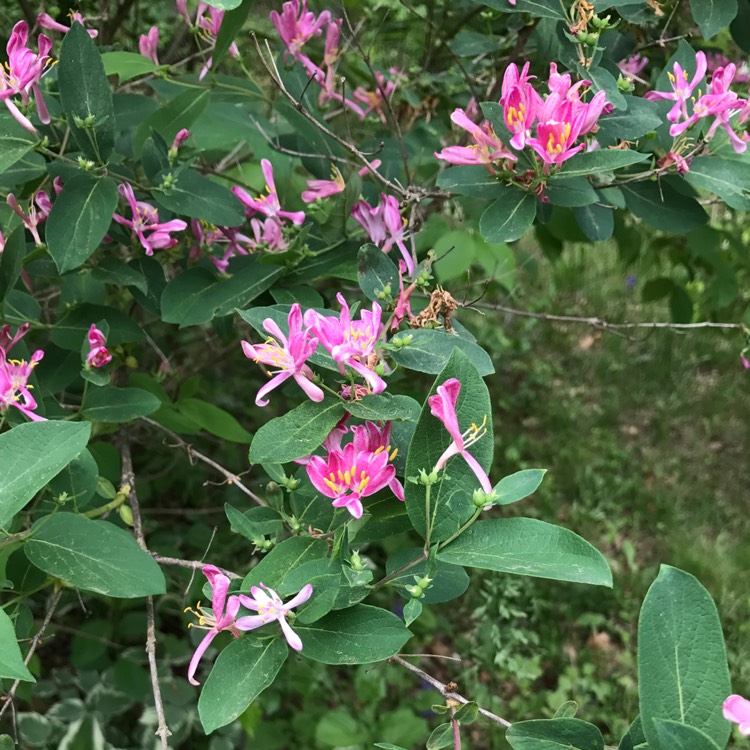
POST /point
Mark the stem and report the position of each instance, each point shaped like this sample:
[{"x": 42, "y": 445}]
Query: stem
[
  {"x": 428, "y": 520},
  {"x": 113, "y": 504},
  {"x": 456, "y": 731},
  {"x": 383, "y": 581},
  {"x": 474, "y": 517}
]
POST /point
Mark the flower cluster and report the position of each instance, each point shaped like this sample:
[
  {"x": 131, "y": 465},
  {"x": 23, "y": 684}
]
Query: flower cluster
[
  {"x": 224, "y": 610},
  {"x": 721, "y": 103},
  {"x": 39, "y": 207},
  {"x": 351, "y": 343},
  {"x": 15, "y": 373},
  {"x": 384, "y": 226},
  {"x": 559, "y": 120},
  {"x": 98, "y": 355},
  {"x": 359, "y": 469}
]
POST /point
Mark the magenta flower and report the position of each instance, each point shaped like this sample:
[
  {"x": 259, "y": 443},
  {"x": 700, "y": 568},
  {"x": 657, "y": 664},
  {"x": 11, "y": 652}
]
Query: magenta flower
[
  {"x": 148, "y": 44},
  {"x": 682, "y": 88},
  {"x": 39, "y": 209},
  {"x": 268, "y": 204},
  {"x": 558, "y": 127},
  {"x": 745, "y": 361},
  {"x": 179, "y": 139},
  {"x": 330, "y": 58},
  {"x": 369, "y": 437},
  {"x": 443, "y": 406},
  {"x": 269, "y": 606},
  {"x": 22, "y": 73},
  {"x": 98, "y": 355},
  {"x": 485, "y": 149},
  {"x": 269, "y": 235},
  {"x": 373, "y": 100},
  {"x": 737, "y": 710},
  {"x": 289, "y": 356},
  {"x": 350, "y": 474},
  {"x": 221, "y": 616},
  {"x": 350, "y": 342},
  {"x": 47, "y": 22},
  {"x": 372, "y": 221},
  {"x": 296, "y": 26},
  {"x": 520, "y": 103},
  {"x": 324, "y": 188},
  {"x": 14, "y": 375},
  {"x": 384, "y": 225},
  {"x": 403, "y": 305},
  {"x": 632, "y": 66},
  {"x": 145, "y": 224}
]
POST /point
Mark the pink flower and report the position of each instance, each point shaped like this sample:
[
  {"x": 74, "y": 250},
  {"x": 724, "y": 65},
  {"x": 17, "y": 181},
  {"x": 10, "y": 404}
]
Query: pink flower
[
  {"x": 289, "y": 356},
  {"x": 558, "y": 127},
  {"x": 384, "y": 225},
  {"x": 145, "y": 224},
  {"x": 682, "y": 89},
  {"x": 330, "y": 58},
  {"x": 269, "y": 606},
  {"x": 179, "y": 139},
  {"x": 98, "y": 355},
  {"x": 39, "y": 209},
  {"x": 22, "y": 73},
  {"x": 745, "y": 361},
  {"x": 220, "y": 617},
  {"x": 443, "y": 406},
  {"x": 14, "y": 375},
  {"x": 520, "y": 103},
  {"x": 737, "y": 710},
  {"x": 47, "y": 22},
  {"x": 148, "y": 44},
  {"x": 348, "y": 475},
  {"x": 206, "y": 27},
  {"x": 715, "y": 60},
  {"x": 486, "y": 148},
  {"x": 403, "y": 305},
  {"x": 350, "y": 342},
  {"x": 632, "y": 66},
  {"x": 373, "y": 100},
  {"x": 369, "y": 437},
  {"x": 296, "y": 26},
  {"x": 324, "y": 188},
  {"x": 268, "y": 204}
]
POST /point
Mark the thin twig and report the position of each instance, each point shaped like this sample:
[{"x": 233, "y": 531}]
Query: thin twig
[
  {"x": 456, "y": 730},
  {"x": 35, "y": 641},
  {"x": 191, "y": 564},
  {"x": 604, "y": 325},
  {"x": 230, "y": 477},
  {"x": 128, "y": 479},
  {"x": 442, "y": 688}
]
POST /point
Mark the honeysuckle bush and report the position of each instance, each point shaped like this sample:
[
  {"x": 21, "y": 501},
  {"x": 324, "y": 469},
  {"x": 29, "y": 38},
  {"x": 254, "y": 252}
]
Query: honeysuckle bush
[{"x": 306, "y": 200}]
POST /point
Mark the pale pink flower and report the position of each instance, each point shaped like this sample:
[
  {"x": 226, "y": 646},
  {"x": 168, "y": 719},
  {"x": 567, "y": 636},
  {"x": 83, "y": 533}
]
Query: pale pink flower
[
  {"x": 221, "y": 616},
  {"x": 268, "y": 204},
  {"x": 403, "y": 305},
  {"x": 206, "y": 27},
  {"x": 39, "y": 208},
  {"x": 443, "y": 406},
  {"x": 98, "y": 355},
  {"x": 350, "y": 474},
  {"x": 318, "y": 189},
  {"x": 21, "y": 75},
  {"x": 485, "y": 149},
  {"x": 745, "y": 361},
  {"x": 148, "y": 44},
  {"x": 682, "y": 88},
  {"x": 269, "y": 606},
  {"x": 47, "y": 22},
  {"x": 14, "y": 375},
  {"x": 351, "y": 343},
  {"x": 384, "y": 225},
  {"x": 737, "y": 710},
  {"x": 373, "y": 100},
  {"x": 288, "y": 354},
  {"x": 631, "y": 67},
  {"x": 179, "y": 139},
  {"x": 145, "y": 224},
  {"x": 269, "y": 235},
  {"x": 296, "y": 26}
]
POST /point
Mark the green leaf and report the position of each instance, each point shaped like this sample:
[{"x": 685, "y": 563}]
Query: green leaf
[
  {"x": 243, "y": 670},
  {"x": 535, "y": 8},
  {"x": 712, "y": 16},
  {"x": 85, "y": 94},
  {"x": 376, "y": 271},
  {"x": 118, "y": 404},
  {"x": 11, "y": 260},
  {"x": 430, "y": 350},
  {"x": 15, "y": 142},
  {"x": 554, "y": 734},
  {"x": 11, "y": 661},
  {"x": 517, "y": 486},
  {"x": 442, "y": 736},
  {"x": 254, "y": 523},
  {"x": 475, "y": 182},
  {"x": 197, "y": 296},
  {"x": 280, "y": 565},
  {"x": 412, "y": 610},
  {"x": 601, "y": 160},
  {"x": 727, "y": 178},
  {"x": 297, "y": 433},
  {"x": 468, "y": 713},
  {"x": 639, "y": 118},
  {"x": 602, "y": 80},
  {"x": 677, "y": 736},
  {"x": 597, "y": 222},
  {"x": 740, "y": 27},
  {"x": 79, "y": 219},
  {"x": 385, "y": 407},
  {"x": 525, "y": 546},
  {"x": 567, "y": 710},
  {"x": 662, "y": 207},
  {"x": 338, "y": 729},
  {"x": 448, "y": 581},
  {"x": 180, "y": 112},
  {"x": 117, "y": 272},
  {"x": 30, "y": 455},
  {"x": 201, "y": 198},
  {"x": 224, "y": 4},
  {"x": 570, "y": 192},
  {"x": 127, "y": 65},
  {"x": 682, "y": 663},
  {"x": 509, "y": 217},
  {"x": 214, "y": 420},
  {"x": 93, "y": 556},
  {"x": 358, "y": 635},
  {"x": 230, "y": 27},
  {"x": 451, "y": 498}
]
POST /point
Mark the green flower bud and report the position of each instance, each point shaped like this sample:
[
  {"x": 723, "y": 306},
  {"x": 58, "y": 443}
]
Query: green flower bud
[
  {"x": 126, "y": 514},
  {"x": 356, "y": 561},
  {"x": 482, "y": 498},
  {"x": 415, "y": 591},
  {"x": 424, "y": 583},
  {"x": 291, "y": 483}
]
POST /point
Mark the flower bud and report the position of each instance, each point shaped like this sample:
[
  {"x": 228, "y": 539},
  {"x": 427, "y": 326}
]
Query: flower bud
[
  {"x": 624, "y": 84},
  {"x": 126, "y": 514},
  {"x": 424, "y": 583},
  {"x": 581, "y": 36},
  {"x": 379, "y": 369},
  {"x": 291, "y": 483},
  {"x": 483, "y": 499},
  {"x": 356, "y": 561},
  {"x": 294, "y": 524},
  {"x": 274, "y": 495},
  {"x": 415, "y": 591}
]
